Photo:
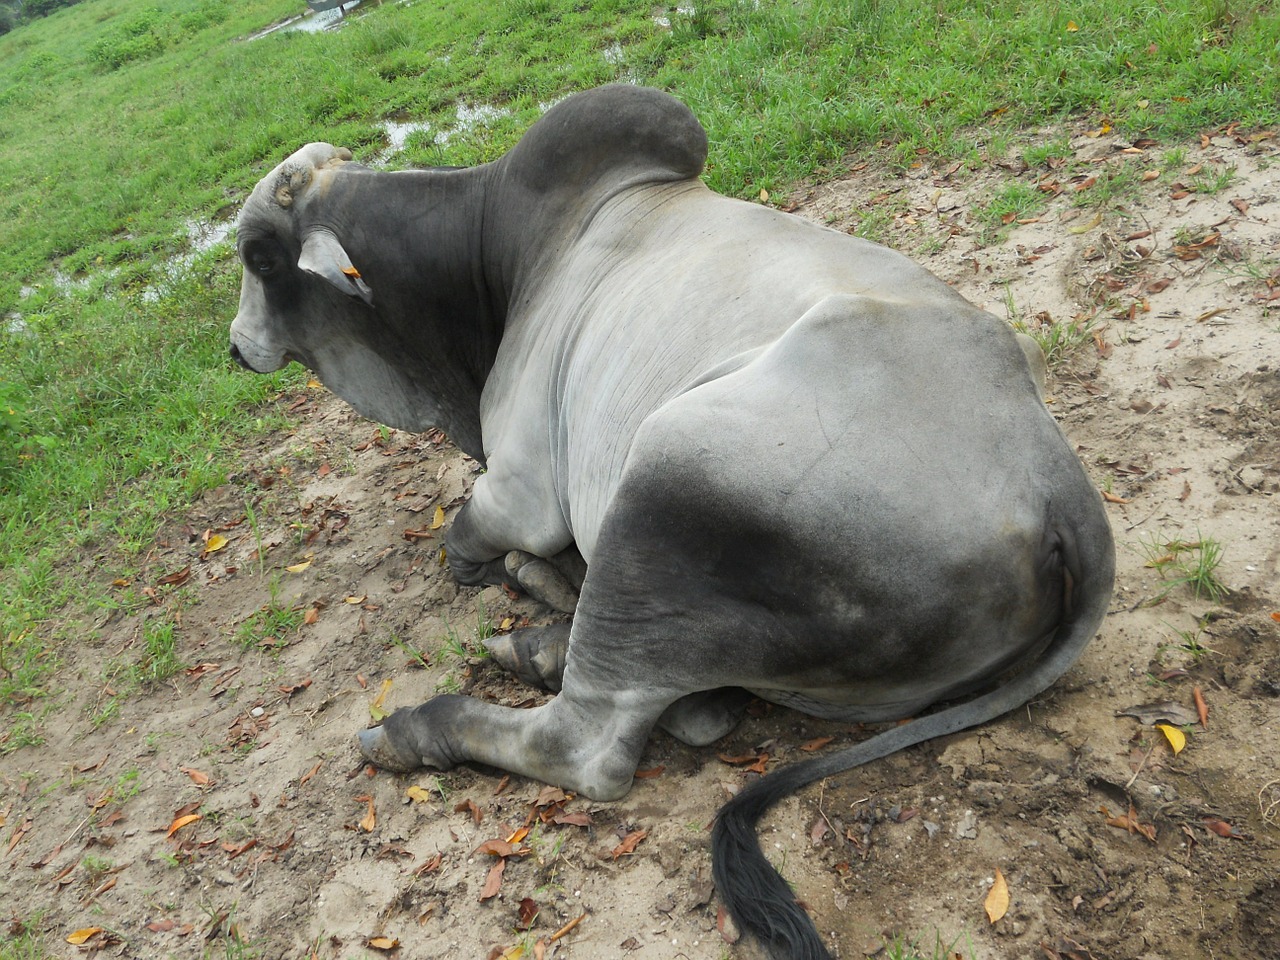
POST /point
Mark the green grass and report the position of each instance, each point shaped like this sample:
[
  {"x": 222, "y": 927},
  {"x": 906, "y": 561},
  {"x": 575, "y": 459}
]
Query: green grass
[
  {"x": 1190, "y": 563},
  {"x": 122, "y": 121}
]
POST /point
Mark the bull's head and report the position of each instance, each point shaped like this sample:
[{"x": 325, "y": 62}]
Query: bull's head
[{"x": 272, "y": 225}]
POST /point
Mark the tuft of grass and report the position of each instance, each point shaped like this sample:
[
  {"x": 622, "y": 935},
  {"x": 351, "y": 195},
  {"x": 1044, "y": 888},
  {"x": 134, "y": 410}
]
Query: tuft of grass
[
  {"x": 23, "y": 942},
  {"x": 1190, "y": 563},
  {"x": 1011, "y": 202},
  {"x": 1060, "y": 340}
]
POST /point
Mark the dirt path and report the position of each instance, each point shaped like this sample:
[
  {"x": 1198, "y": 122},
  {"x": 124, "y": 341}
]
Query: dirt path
[{"x": 299, "y": 851}]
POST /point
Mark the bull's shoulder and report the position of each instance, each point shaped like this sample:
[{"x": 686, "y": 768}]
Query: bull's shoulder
[{"x": 617, "y": 132}]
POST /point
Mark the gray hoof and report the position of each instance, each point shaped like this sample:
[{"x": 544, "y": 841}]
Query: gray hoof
[
  {"x": 542, "y": 581},
  {"x": 377, "y": 748},
  {"x": 534, "y": 654}
]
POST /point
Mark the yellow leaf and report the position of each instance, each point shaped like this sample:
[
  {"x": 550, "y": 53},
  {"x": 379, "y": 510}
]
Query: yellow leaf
[
  {"x": 1071, "y": 26},
  {"x": 370, "y": 819},
  {"x": 314, "y": 384},
  {"x": 418, "y": 794},
  {"x": 1177, "y": 739},
  {"x": 997, "y": 902},
  {"x": 215, "y": 543},
  {"x": 355, "y": 600},
  {"x": 182, "y": 822},
  {"x": 382, "y": 943},
  {"x": 506, "y": 623},
  {"x": 438, "y": 520},
  {"x": 1087, "y": 226},
  {"x": 298, "y": 567},
  {"x": 376, "y": 710},
  {"x": 764, "y": 196},
  {"x": 513, "y": 953},
  {"x": 80, "y": 936}
]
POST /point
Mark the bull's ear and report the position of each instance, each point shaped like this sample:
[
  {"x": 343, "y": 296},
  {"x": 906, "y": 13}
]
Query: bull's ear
[{"x": 322, "y": 254}]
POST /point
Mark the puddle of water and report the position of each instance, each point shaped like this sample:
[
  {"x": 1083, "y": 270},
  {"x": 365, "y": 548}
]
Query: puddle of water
[
  {"x": 398, "y": 131},
  {"x": 665, "y": 22},
  {"x": 203, "y": 236},
  {"x": 311, "y": 22}
]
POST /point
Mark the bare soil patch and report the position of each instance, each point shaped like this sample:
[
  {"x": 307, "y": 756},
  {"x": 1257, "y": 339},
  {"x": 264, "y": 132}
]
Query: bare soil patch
[{"x": 300, "y": 851}]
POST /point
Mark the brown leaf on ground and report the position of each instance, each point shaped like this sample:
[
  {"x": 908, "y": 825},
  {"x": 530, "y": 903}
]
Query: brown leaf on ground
[
  {"x": 493, "y": 882},
  {"x": 528, "y": 913},
  {"x": 370, "y": 819},
  {"x": 1131, "y": 823},
  {"x": 469, "y": 806},
  {"x": 501, "y": 848},
  {"x": 629, "y": 843},
  {"x": 1202, "y": 708},
  {"x": 997, "y": 902},
  {"x": 817, "y": 743}
]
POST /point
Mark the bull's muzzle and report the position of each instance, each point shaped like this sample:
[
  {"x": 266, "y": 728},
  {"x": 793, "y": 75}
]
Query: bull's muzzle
[{"x": 238, "y": 357}]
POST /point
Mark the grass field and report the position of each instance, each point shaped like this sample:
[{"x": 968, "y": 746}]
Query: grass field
[{"x": 123, "y": 123}]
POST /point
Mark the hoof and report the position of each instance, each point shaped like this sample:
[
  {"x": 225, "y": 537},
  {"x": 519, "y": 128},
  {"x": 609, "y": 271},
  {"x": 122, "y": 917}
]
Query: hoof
[{"x": 377, "y": 748}]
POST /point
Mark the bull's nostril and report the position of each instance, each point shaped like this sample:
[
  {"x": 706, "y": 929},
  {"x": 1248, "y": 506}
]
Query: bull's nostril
[{"x": 235, "y": 355}]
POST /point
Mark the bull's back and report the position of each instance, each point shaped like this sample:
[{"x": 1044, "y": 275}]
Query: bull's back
[{"x": 673, "y": 286}]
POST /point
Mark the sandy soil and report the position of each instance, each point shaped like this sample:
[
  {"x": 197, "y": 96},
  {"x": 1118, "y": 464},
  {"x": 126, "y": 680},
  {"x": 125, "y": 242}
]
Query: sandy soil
[{"x": 300, "y": 851}]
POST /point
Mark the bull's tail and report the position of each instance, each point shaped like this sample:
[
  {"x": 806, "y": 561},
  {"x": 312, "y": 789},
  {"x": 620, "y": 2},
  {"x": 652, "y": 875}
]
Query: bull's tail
[{"x": 754, "y": 893}]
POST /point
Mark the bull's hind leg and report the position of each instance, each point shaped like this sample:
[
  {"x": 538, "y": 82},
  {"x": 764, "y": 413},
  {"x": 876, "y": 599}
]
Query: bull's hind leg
[
  {"x": 537, "y": 656},
  {"x": 702, "y": 718}
]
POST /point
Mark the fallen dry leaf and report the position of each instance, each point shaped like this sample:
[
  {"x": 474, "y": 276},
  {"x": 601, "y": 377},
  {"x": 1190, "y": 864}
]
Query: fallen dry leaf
[
  {"x": 83, "y": 934},
  {"x": 997, "y": 902},
  {"x": 493, "y": 882},
  {"x": 629, "y": 843},
  {"x": 528, "y": 914},
  {"x": 370, "y": 819},
  {"x": 181, "y": 822},
  {"x": 437, "y": 521},
  {"x": 418, "y": 794},
  {"x": 382, "y": 943},
  {"x": 502, "y": 848},
  {"x": 817, "y": 743},
  {"x": 197, "y": 777},
  {"x": 1131, "y": 823},
  {"x": 1202, "y": 708},
  {"x": 649, "y": 774},
  {"x": 469, "y": 806},
  {"x": 568, "y": 926},
  {"x": 1177, "y": 739}
]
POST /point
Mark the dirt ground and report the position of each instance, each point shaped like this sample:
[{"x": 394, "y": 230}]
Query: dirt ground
[{"x": 226, "y": 813}]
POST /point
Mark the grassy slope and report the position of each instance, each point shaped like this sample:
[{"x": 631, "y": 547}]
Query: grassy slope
[{"x": 119, "y": 122}]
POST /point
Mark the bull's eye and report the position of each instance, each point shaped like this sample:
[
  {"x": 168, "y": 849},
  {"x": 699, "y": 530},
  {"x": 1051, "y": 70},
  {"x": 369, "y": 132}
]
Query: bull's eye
[{"x": 262, "y": 263}]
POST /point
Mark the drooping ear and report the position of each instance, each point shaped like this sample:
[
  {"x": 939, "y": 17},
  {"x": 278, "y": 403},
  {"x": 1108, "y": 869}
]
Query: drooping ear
[{"x": 322, "y": 254}]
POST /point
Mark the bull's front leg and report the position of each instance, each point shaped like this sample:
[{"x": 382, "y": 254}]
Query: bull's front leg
[
  {"x": 476, "y": 558},
  {"x": 588, "y": 742}
]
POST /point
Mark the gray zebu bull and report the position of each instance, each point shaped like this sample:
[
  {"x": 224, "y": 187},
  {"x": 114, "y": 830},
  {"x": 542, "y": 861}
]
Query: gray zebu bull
[{"x": 793, "y": 462}]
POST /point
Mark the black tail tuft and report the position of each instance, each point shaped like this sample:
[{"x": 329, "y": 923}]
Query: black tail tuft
[{"x": 752, "y": 891}]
